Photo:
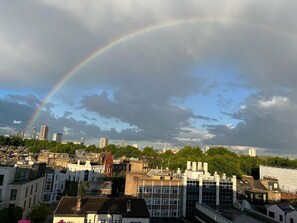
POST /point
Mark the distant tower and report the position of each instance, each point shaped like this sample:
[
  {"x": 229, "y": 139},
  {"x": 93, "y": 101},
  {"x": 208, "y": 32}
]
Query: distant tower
[
  {"x": 82, "y": 141},
  {"x": 103, "y": 142},
  {"x": 122, "y": 143},
  {"x": 33, "y": 132},
  {"x": 252, "y": 152},
  {"x": 43, "y": 132},
  {"x": 57, "y": 137}
]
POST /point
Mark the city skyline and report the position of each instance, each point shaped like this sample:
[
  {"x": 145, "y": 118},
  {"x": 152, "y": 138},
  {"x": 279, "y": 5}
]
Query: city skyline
[{"x": 160, "y": 74}]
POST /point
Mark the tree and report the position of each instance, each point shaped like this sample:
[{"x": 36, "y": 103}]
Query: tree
[
  {"x": 39, "y": 213},
  {"x": 149, "y": 151},
  {"x": 82, "y": 186}
]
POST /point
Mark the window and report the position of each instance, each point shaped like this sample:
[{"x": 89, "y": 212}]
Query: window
[
  {"x": 165, "y": 201},
  {"x": 281, "y": 218},
  {"x": 31, "y": 189},
  {"x": 13, "y": 194},
  {"x": 291, "y": 220},
  {"x": 166, "y": 190},
  {"x": 156, "y": 201},
  {"x": 48, "y": 186},
  {"x": 49, "y": 177},
  {"x": 175, "y": 190},
  {"x": 24, "y": 207},
  {"x": 26, "y": 192},
  {"x": 148, "y": 201},
  {"x": 36, "y": 186},
  {"x": 1, "y": 179},
  {"x": 271, "y": 214}
]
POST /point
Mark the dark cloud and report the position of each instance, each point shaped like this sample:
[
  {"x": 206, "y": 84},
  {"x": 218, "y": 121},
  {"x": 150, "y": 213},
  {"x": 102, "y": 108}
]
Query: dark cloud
[
  {"x": 152, "y": 117},
  {"x": 144, "y": 80},
  {"x": 264, "y": 122},
  {"x": 88, "y": 118},
  {"x": 30, "y": 100},
  {"x": 67, "y": 114}
]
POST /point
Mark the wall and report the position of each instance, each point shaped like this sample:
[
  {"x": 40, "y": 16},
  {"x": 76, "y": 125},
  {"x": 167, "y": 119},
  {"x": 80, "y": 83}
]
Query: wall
[{"x": 286, "y": 177}]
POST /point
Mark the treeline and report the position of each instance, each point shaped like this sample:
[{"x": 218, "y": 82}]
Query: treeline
[{"x": 219, "y": 159}]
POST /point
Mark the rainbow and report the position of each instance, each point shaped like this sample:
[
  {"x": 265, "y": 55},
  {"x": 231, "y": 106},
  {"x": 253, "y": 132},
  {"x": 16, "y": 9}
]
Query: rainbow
[{"x": 119, "y": 40}]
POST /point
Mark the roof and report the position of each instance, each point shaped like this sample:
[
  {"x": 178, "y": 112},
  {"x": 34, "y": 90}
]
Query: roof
[
  {"x": 67, "y": 207},
  {"x": 285, "y": 207}
]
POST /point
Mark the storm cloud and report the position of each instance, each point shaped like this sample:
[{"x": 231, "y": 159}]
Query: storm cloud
[{"x": 181, "y": 73}]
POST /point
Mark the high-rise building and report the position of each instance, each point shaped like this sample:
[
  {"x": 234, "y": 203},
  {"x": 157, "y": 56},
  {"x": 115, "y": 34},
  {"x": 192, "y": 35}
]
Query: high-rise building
[
  {"x": 20, "y": 134},
  {"x": 57, "y": 137},
  {"x": 33, "y": 132},
  {"x": 43, "y": 132},
  {"x": 103, "y": 142},
  {"x": 252, "y": 152},
  {"x": 122, "y": 143}
]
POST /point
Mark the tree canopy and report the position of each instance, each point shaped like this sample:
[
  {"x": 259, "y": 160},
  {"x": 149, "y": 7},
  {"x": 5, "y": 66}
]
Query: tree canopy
[{"x": 219, "y": 159}]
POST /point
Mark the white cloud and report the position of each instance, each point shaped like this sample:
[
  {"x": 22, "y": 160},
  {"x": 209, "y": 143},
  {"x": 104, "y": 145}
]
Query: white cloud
[
  {"x": 17, "y": 122},
  {"x": 274, "y": 101}
]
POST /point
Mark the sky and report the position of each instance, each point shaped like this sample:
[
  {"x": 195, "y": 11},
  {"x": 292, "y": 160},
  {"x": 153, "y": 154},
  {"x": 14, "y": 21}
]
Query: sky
[{"x": 156, "y": 73}]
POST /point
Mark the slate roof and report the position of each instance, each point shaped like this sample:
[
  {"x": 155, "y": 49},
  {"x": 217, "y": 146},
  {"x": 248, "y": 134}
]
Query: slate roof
[
  {"x": 67, "y": 207},
  {"x": 285, "y": 207}
]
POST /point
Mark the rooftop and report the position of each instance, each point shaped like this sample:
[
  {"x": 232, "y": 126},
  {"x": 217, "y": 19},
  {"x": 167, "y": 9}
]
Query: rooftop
[{"x": 67, "y": 207}]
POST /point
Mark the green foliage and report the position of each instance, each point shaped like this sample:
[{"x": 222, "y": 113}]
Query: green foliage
[
  {"x": 224, "y": 164},
  {"x": 149, "y": 152},
  {"x": 247, "y": 164},
  {"x": 12, "y": 215},
  {"x": 39, "y": 213},
  {"x": 70, "y": 188},
  {"x": 92, "y": 148},
  {"x": 11, "y": 141},
  {"x": 111, "y": 148},
  {"x": 34, "y": 149},
  {"x": 220, "y": 151},
  {"x": 15, "y": 214},
  {"x": 82, "y": 188},
  {"x": 128, "y": 151},
  {"x": 4, "y": 215}
]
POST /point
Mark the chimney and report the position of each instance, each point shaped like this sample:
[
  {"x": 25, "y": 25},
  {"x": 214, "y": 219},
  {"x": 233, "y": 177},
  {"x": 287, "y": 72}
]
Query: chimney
[
  {"x": 129, "y": 205},
  {"x": 78, "y": 204},
  {"x": 188, "y": 165},
  {"x": 194, "y": 166}
]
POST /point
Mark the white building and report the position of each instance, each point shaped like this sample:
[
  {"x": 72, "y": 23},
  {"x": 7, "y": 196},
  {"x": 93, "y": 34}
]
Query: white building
[
  {"x": 99, "y": 210},
  {"x": 85, "y": 172},
  {"x": 286, "y": 177},
  {"x": 199, "y": 186},
  {"x": 282, "y": 212},
  {"x": 22, "y": 185},
  {"x": 7, "y": 173},
  {"x": 57, "y": 137},
  {"x": 52, "y": 185},
  {"x": 252, "y": 152},
  {"x": 103, "y": 142}
]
